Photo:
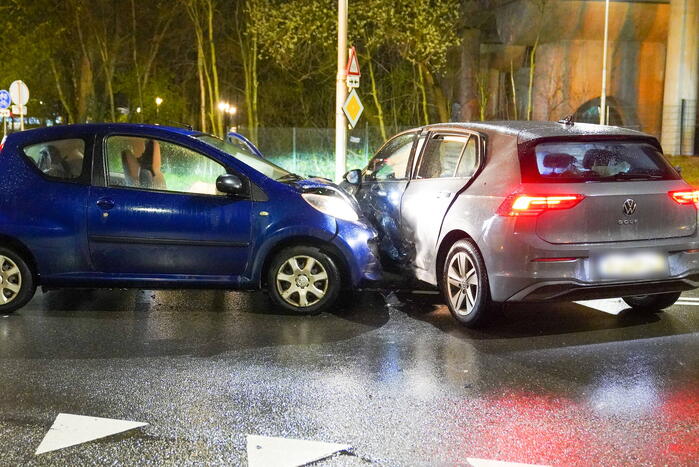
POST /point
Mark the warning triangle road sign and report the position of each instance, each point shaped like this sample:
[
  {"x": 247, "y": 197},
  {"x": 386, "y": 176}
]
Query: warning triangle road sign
[
  {"x": 352, "y": 68},
  {"x": 69, "y": 430},
  {"x": 265, "y": 451}
]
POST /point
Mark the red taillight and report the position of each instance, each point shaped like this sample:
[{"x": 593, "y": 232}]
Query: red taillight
[
  {"x": 533, "y": 205},
  {"x": 685, "y": 197}
]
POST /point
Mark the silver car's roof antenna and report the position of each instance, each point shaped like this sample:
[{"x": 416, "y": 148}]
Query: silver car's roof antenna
[{"x": 567, "y": 120}]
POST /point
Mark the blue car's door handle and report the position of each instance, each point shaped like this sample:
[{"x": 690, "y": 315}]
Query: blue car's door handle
[{"x": 105, "y": 204}]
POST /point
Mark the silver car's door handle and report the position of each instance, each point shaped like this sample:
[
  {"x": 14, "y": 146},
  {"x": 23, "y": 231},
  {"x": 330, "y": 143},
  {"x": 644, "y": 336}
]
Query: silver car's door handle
[{"x": 444, "y": 194}]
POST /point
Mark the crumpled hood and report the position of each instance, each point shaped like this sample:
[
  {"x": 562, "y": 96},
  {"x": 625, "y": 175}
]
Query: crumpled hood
[{"x": 310, "y": 183}]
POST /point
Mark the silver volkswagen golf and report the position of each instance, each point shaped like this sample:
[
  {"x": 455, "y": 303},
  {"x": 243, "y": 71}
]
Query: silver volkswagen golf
[{"x": 532, "y": 211}]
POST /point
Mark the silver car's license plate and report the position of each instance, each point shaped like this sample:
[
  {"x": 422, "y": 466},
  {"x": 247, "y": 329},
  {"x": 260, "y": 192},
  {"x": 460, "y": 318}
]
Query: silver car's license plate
[{"x": 631, "y": 265}]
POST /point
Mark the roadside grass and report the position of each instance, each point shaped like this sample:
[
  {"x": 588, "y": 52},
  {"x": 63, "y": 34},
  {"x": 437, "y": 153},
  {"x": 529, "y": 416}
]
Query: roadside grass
[
  {"x": 317, "y": 164},
  {"x": 690, "y": 167}
]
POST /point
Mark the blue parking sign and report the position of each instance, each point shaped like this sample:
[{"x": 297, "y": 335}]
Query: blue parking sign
[{"x": 5, "y": 99}]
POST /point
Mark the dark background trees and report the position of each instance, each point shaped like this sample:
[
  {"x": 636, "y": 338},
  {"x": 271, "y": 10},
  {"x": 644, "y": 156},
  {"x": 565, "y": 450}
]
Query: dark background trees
[{"x": 107, "y": 60}]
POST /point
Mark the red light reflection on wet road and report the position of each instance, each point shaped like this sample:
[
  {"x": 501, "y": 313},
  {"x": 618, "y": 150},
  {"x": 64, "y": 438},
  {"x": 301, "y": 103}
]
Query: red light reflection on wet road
[{"x": 536, "y": 429}]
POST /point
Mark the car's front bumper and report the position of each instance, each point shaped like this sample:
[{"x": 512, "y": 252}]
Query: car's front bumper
[{"x": 358, "y": 243}]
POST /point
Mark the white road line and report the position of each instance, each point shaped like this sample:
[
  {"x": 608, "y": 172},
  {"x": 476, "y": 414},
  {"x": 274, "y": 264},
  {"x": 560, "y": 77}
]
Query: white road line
[
  {"x": 265, "y": 451},
  {"x": 613, "y": 306},
  {"x": 69, "y": 430},
  {"x": 689, "y": 299},
  {"x": 683, "y": 302},
  {"x": 491, "y": 463}
]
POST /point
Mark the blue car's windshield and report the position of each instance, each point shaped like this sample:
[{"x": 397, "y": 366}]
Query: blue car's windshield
[{"x": 244, "y": 155}]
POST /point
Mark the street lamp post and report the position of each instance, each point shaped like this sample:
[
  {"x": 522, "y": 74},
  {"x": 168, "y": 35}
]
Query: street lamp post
[
  {"x": 233, "y": 112},
  {"x": 224, "y": 107},
  {"x": 158, "y": 101}
]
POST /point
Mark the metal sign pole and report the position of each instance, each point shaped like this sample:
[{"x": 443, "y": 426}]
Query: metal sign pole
[
  {"x": 21, "y": 111},
  {"x": 341, "y": 92},
  {"x": 603, "y": 95}
]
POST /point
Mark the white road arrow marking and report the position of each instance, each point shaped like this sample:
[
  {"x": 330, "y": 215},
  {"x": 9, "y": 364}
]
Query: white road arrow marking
[
  {"x": 69, "y": 430},
  {"x": 613, "y": 306},
  {"x": 264, "y": 451},
  {"x": 491, "y": 463}
]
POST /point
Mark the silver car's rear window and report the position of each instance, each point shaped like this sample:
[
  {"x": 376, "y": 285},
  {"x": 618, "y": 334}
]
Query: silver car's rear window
[{"x": 582, "y": 161}]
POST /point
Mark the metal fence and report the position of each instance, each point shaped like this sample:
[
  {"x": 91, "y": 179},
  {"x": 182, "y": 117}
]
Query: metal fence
[{"x": 311, "y": 151}]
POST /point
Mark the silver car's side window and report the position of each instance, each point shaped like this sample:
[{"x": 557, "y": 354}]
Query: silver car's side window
[
  {"x": 391, "y": 162},
  {"x": 469, "y": 159},
  {"x": 442, "y": 156}
]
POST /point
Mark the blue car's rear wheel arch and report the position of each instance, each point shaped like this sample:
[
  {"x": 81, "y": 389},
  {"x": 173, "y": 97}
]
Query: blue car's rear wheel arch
[
  {"x": 17, "y": 285},
  {"x": 303, "y": 279},
  {"x": 465, "y": 286}
]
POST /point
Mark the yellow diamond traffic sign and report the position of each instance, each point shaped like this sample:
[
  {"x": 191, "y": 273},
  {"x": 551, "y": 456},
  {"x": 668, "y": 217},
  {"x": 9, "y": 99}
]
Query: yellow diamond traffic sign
[{"x": 353, "y": 108}]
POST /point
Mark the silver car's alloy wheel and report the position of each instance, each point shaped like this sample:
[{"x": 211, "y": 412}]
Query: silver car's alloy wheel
[
  {"x": 462, "y": 283},
  {"x": 10, "y": 280},
  {"x": 302, "y": 281}
]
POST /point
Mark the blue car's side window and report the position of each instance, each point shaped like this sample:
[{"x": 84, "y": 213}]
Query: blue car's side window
[
  {"x": 151, "y": 164},
  {"x": 60, "y": 159}
]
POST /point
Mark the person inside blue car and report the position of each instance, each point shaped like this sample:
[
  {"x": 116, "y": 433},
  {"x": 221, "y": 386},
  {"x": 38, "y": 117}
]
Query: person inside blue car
[{"x": 142, "y": 161}]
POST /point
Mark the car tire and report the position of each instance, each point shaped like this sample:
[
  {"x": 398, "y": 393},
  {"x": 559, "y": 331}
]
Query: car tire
[
  {"x": 652, "y": 303},
  {"x": 465, "y": 285},
  {"x": 17, "y": 284},
  {"x": 304, "y": 280}
]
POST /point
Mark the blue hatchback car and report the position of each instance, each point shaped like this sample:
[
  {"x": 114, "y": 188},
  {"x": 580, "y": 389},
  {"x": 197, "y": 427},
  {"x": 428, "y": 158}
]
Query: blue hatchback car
[{"x": 144, "y": 206}]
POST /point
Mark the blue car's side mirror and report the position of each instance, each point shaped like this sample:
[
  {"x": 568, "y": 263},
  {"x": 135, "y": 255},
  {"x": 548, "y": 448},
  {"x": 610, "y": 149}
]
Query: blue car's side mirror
[{"x": 231, "y": 185}]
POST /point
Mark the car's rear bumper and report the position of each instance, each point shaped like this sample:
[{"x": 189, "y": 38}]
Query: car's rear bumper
[
  {"x": 572, "y": 291},
  {"x": 516, "y": 271}
]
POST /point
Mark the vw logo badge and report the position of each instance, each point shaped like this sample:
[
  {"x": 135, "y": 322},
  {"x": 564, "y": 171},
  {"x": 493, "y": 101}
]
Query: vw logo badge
[{"x": 629, "y": 207}]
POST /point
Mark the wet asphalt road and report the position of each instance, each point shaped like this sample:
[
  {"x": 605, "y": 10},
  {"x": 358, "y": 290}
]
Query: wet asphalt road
[{"x": 392, "y": 375}]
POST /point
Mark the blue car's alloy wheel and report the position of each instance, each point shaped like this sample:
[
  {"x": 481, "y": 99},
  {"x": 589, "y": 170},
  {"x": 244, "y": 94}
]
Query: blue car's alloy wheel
[
  {"x": 10, "y": 280},
  {"x": 303, "y": 279},
  {"x": 16, "y": 282}
]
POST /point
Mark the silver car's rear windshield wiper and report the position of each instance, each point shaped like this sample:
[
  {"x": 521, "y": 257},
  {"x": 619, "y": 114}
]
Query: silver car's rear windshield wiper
[{"x": 633, "y": 176}]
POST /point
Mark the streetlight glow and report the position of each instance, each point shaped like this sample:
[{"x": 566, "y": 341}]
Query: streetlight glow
[
  {"x": 158, "y": 101},
  {"x": 232, "y": 110},
  {"x": 223, "y": 106}
]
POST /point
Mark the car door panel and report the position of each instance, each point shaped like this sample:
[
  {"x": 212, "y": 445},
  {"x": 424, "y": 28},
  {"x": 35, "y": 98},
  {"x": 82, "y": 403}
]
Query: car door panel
[
  {"x": 134, "y": 230},
  {"x": 383, "y": 183},
  {"x": 165, "y": 233},
  {"x": 429, "y": 196}
]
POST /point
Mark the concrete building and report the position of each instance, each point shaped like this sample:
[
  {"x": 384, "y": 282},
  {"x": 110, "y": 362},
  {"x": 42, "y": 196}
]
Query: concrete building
[{"x": 653, "y": 64}]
